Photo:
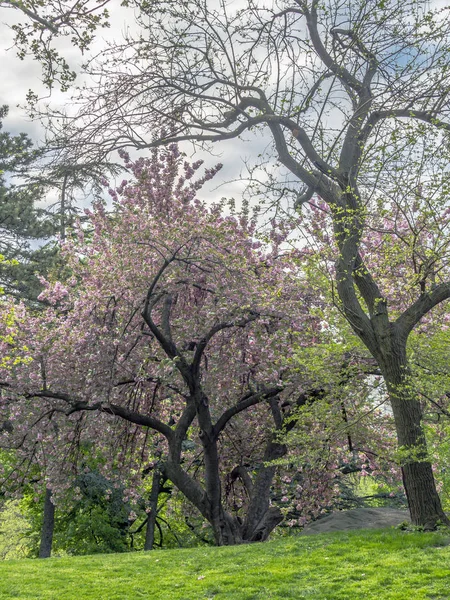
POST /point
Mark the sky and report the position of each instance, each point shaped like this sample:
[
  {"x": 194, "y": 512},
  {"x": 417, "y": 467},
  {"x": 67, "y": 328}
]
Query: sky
[{"x": 18, "y": 77}]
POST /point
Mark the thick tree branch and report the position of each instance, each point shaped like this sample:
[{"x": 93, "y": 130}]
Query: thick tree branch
[
  {"x": 347, "y": 230},
  {"x": 112, "y": 409},
  {"x": 341, "y": 72},
  {"x": 368, "y": 288},
  {"x": 400, "y": 113},
  {"x": 240, "y": 472},
  {"x": 125, "y": 414},
  {"x": 164, "y": 337},
  {"x": 242, "y": 405},
  {"x": 412, "y": 315},
  {"x": 296, "y": 130},
  {"x": 51, "y": 395},
  {"x": 352, "y": 148},
  {"x": 188, "y": 487},
  {"x": 165, "y": 317},
  {"x": 313, "y": 179},
  {"x": 181, "y": 429},
  {"x": 360, "y": 49},
  {"x": 350, "y": 304}
]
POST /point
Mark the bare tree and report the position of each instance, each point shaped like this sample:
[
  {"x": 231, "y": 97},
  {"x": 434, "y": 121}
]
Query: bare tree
[{"x": 331, "y": 81}]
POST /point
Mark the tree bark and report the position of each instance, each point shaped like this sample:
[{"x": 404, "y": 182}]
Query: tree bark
[
  {"x": 261, "y": 518},
  {"x": 151, "y": 520},
  {"x": 228, "y": 530},
  {"x": 386, "y": 341},
  {"x": 423, "y": 499},
  {"x": 48, "y": 525},
  {"x": 418, "y": 479}
]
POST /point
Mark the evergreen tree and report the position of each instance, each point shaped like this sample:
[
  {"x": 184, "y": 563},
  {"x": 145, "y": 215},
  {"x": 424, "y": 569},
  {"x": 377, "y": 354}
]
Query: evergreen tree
[{"x": 25, "y": 227}]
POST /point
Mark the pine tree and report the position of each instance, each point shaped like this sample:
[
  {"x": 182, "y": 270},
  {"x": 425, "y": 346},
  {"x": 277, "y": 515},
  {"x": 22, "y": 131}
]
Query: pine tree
[{"x": 26, "y": 228}]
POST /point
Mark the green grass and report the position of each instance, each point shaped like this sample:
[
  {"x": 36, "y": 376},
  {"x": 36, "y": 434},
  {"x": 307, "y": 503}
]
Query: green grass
[{"x": 381, "y": 564}]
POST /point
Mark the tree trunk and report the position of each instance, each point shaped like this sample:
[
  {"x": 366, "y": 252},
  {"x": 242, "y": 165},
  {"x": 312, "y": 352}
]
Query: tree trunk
[
  {"x": 48, "y": 525},
  {"x": 261, "y": 530},
  {"x": 151, "y": 520},
  {"x": 423, "y": 500},
  {"x": 418, "y": 479},
  {"x": 261, "y": 518},
  {"x": 226, "y": 528}
]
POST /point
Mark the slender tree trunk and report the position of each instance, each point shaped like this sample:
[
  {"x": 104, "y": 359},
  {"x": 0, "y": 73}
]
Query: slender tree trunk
[
  {"x": 48, "y": 525},
  {"x": 151, "y": 521},
  {"x": 62, "y": 227},
  {"x": 226, "y": 528}
]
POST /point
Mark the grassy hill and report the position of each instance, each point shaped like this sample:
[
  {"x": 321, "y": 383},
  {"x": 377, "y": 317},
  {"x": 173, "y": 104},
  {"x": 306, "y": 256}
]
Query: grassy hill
[{"x": 381, "y": 564}]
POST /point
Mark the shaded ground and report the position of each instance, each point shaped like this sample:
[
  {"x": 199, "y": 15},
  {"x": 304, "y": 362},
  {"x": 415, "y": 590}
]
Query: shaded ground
[{"x": 358, "y": 518}]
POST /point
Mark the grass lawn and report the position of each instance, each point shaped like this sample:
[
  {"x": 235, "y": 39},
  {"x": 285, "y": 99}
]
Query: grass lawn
[{"x": 381, "y": 564}]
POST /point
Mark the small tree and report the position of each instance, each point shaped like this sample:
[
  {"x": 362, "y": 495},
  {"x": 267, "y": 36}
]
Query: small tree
[{"x": 175, "y": 320}]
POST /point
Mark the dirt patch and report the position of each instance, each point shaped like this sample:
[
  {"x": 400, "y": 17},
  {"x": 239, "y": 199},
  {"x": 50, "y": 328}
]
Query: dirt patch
[{"x": 358, "y": 518}]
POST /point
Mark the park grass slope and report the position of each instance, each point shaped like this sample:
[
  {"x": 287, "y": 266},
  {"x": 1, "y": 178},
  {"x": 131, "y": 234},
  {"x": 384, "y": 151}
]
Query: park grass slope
[{"x": 382, "y": 564}]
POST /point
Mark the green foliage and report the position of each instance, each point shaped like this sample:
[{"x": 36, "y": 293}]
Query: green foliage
[
  {"x": 95, "y": 522},
  {"x": 180, "y": 526},
  {"x": 376, "y": 492},
  {"x": 98, "y": 521},
  {"x": 22, "y": 224},
  {"x": 439, "y": 438},
  {"x": 40, "y": 22},
  {"x": 14, "y": 531},
  {"x": 362, "y": 565}
]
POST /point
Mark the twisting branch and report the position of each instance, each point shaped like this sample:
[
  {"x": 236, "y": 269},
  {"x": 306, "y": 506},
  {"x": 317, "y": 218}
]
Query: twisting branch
[
  {"x": 341, "y": 72},
  {"x": 124, "y": 413},
  {"x": 243, "y": 404},
  {"x": 412, "y": 315},
  {"x": 201, "y": 346}
]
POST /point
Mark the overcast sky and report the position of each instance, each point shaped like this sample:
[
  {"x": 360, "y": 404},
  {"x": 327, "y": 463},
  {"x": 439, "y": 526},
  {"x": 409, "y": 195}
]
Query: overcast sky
[{"x": 17, "y": 77}]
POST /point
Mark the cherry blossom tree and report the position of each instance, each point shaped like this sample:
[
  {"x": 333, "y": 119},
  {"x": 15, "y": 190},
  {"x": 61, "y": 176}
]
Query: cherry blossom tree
[
  {"x": 171, "y": 337},
  {"x": 349, "y": 95}
]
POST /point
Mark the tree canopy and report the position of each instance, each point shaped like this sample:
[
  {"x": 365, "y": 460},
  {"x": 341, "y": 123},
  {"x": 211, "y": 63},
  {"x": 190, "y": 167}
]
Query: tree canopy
[
  {"x": 173, "y": 315},
  {"x": 355, "y": 99}
]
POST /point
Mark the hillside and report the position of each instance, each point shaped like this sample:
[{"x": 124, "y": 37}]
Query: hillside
[{"x": 382, "y": 564}]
